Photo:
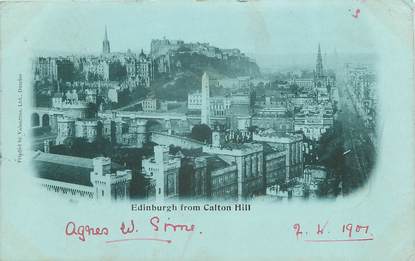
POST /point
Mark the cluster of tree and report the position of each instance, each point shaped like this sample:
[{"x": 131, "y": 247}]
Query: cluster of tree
[
  {"x": 126, "y": 96},
  {"x": 330, "y": 151},
  {"x": 202, "y": 132},
  {"x": 294, "y": 88},
  {"x": 189, "y": 67},
  {"x": 178, "y": 88},
  {"x": 66, "y": 70},
  {"x": 117, "y": 71},
  {"x": 80, "y": 147},
  {"x": 91, "y": 110}
]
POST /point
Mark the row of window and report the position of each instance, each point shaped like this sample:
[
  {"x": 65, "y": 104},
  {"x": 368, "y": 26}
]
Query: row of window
[
  {"x": 57, "y": 189},
  {"x": 223, "y": 179}
]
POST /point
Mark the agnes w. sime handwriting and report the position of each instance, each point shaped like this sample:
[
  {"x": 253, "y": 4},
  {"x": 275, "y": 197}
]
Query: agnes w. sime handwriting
[{"x": 82, "y": 232}]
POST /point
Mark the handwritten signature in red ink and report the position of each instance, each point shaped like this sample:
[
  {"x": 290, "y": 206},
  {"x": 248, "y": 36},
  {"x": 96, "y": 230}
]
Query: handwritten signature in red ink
[
  {"x": 84, "y": 230},
  {"x": 128, "y": 228}
]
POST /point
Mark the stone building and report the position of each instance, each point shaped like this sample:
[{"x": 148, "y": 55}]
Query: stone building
[
  {"x": 248, "y": 159},
  {"x": 218, "y": 106},
  {"x": 77, "y": 178},
  {"x": 223, "y": 179},
  {"x": 85, "y": 128},
  {"x": 45, "y": 68},
  {"x": 68, "y": 127},
  {"x": 164, "y": 170},
  {"x": 150, "y": 104},
  {"x": 313, "y": 125},
  {"x": 140, "y": 69},
  {"x": 274, "y": 166},
  {"x": 193, "y": 175},
  {"x": 292, "y": 144}
]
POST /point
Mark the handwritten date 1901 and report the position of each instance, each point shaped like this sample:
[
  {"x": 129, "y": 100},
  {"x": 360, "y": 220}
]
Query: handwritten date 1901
[{"x": 348, "y": 232}]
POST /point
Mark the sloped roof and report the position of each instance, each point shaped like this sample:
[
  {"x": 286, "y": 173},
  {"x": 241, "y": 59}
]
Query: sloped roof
[{"x": 216, "y": 163}]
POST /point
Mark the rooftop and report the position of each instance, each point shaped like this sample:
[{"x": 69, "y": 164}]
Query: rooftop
[
  {"x": 240, "y": 146},
  {"x": 68, "y": 169},
  {"x": 273, "y": 133}
]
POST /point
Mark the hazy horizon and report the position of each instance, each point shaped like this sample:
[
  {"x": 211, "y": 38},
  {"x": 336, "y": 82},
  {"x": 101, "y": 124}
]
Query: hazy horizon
[{"x": 262, "y": 30}]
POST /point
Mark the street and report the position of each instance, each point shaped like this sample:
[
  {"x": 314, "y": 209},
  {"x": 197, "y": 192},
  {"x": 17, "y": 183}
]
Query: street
[{"x": 359, "y": 160}]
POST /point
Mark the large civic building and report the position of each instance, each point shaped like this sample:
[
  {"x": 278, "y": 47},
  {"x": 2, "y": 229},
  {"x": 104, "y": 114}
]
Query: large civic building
[{"x": 248, "y": 159}]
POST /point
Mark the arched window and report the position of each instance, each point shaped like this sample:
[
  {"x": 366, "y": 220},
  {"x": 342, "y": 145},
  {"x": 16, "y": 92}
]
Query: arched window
[{"x": 35, "y": 120}]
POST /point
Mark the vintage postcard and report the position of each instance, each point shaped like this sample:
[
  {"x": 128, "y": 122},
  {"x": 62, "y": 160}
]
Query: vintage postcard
[{"x": 207, "y": 130}]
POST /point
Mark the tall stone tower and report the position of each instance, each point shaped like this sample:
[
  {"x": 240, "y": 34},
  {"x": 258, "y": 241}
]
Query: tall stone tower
[
  {"x": 319, "y": 64},
  {"x": 205, "y": 118},
  {"x": 106, "y": 44}
]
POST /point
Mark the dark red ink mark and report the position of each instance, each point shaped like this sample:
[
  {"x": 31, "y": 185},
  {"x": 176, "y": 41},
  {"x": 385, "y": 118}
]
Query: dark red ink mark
[
  {"x": 297, "y": 229},
  {"x": 349, "y": 229},
  {"x": 320, "y": 230},
  {"x": 356, "y": 13},
  {"x": 337, "y": 240},
  {"x": 179, "y": 227},
  {"x": 168, "y": 241},
  {"x": 129, "y": 229},
  {"x": 82, "y": 231},
  {"x": 358, "y": 227},
  {"x": 154, "y": 221}
]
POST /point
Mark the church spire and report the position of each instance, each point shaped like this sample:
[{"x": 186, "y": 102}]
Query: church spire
[
  {"x": 106, "y": 34},
  {"x": 319, "y": 64},
  {"x": 106, "y": 43}
]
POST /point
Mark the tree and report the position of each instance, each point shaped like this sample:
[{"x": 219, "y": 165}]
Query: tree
[
  {"x": 59, "y": 149},
  {"x": 82, "y": 148},
  {"x": 102, "y": 146},
  {"x": 202, "y": 132},
  {"x": 117, "y": 71}
]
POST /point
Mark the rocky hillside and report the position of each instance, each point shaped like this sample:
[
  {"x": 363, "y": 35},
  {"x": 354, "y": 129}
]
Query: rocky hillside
[{"x": 186, "y": 69}]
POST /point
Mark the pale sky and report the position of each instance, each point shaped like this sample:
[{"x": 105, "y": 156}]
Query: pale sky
[{"x": 260, "y": 28}]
